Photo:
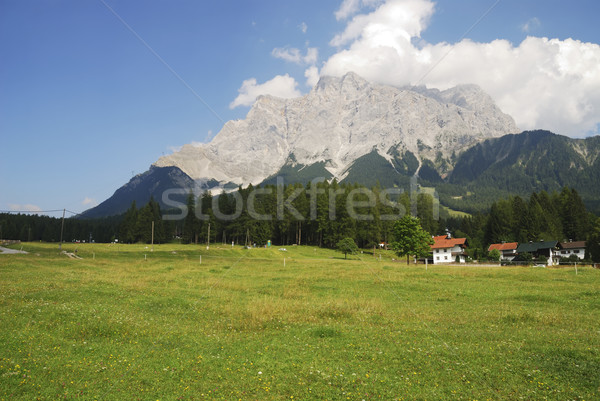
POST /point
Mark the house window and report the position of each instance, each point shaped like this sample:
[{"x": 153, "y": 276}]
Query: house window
[
  {"x": 564, "y": 252},
  {"x": 437, "y": 258},
  {"x": 446, "y": 257},
  {"x": 576, "y": 251}
]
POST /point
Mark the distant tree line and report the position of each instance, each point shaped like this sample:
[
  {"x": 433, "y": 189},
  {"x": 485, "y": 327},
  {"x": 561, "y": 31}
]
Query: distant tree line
[
  {"x": 318, "y": 214},
  {"x": 559, "y": 216},
  {"x": 32, "y": 227},
  {"x": 137, "y": 225},
  {"x": 312, "y": 214}
]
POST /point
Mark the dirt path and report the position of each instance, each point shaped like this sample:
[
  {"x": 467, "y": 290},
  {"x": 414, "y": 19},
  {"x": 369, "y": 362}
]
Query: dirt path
[{"x": 9, "y": 251}]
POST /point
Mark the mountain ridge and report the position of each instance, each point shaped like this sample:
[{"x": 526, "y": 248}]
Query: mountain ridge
[
  {"x": 348, "y": 129},
  {"x": 338, "y": 121},
  {"x": 514, "y": 164}
]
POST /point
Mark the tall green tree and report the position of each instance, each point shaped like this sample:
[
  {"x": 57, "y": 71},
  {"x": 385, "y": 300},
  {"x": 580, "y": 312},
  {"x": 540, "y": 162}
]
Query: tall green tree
[
  {"x": 425, "y": 212},
  {"x": 573, "y": 214},
  {"x": 160, "y": 235},
  {"x": 143, "y": 231},
  {"x": 410, "y": 239},
  {"x": 127, "y": 229},
  {"x": 346, "y": 246},
  {"x": 497, "y": 227},
  {"x": 190, "y": 224},
  {"x": 593, "y": 243}
]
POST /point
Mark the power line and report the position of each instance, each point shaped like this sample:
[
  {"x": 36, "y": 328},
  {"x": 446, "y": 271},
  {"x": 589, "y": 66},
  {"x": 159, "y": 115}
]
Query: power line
[
  {"x": 39, "y": 211},
  {"x": 31, "y": 211},
  {"x": 167, "y": 65}
]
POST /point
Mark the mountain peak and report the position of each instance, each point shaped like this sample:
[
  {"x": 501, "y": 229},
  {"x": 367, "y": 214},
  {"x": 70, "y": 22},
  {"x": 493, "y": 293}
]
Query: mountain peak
[
  {"x": 349, "y": 80},
  {"x": 340, "y": 120}
]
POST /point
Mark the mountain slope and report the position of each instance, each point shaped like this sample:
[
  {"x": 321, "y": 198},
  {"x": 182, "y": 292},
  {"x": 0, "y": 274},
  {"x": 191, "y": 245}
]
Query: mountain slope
[
  {"x": 512, "y": 164},
  {"x": 530, "y": 161},
  {"x": 140, "y": 188},
  {"x": 339, "y": 121},
  {"x": 346, "y": 128}
]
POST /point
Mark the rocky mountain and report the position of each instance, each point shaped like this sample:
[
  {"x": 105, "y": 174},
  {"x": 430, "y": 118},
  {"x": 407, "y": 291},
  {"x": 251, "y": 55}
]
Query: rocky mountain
[
  {"x": 531, "y": 161},
  {"x": 455, "y": 140},
  {"x": 340, "y": 121},
  {"x": 140, "y": 188}
]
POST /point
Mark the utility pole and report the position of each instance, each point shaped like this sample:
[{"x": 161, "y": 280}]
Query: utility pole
[
  {"x": 208, "y": 238},
  {"x": 152, "y": 246},
  {"x": 62, "y": 226}
]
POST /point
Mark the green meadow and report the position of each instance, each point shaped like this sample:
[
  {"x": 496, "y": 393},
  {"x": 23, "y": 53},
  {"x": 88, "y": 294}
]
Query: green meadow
[{"x": 180, "y": 322}]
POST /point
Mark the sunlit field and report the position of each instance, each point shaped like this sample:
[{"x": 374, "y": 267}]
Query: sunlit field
[{"x": 126, "y": 322}]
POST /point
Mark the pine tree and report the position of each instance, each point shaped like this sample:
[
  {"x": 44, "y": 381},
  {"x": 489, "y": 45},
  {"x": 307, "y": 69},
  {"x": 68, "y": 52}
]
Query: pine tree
[
  {"x": 573, "y": 214},
  {"x": 496, "y": 228},
  {"x": 593, "y": 243},
  {"x": 127, "y": 228},
  {"x": 143, "y": 230},
  {"x": 159, "y": 227},
  {"x": 190, "y": 229}
]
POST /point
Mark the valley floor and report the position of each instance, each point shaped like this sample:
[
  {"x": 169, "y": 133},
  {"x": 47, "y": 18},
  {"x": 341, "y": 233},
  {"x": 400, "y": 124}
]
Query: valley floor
[{"x": 290, "y": 323}]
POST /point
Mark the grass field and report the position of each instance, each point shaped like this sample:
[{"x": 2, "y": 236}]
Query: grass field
[{"x": 238, "y": 324}]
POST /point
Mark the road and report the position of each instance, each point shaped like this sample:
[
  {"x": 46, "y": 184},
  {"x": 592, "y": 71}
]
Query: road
[{"x": 7, "y": 250}]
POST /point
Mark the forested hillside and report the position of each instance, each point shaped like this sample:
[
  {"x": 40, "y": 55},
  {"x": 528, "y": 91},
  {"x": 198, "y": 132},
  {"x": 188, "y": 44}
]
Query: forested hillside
[{"x": 532, "y": 161}]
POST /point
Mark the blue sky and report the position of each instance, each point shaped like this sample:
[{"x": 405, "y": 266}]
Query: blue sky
[{"x": 85, "y": 101}]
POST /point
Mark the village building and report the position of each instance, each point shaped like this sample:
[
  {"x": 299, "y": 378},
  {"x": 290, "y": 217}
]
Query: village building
[
  {"x": 446, "y": 249},
  {"x": 538, "y": 249},
  {"x": 508, "y": 250},
  {"x": 566, "y": 249}
]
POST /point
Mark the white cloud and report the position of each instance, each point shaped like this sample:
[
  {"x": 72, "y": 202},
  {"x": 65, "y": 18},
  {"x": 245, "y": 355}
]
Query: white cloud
[
  {"x": 88, "y": 201},
  {"x": 312, "y": 55},
  {"x": 288, "y": 54},
  {"x": 351, "y": 7},
  {"x": 542, "y": 83},
  {"x": 531, "y": 24},
  {"x": 312, "y": 76},
  {"x": 303, "y": 27},
  {"x": 282, "y": 86},
  {"x": 24, "y": 208},
  {"x": 294, "y": 55},
  {"x": 391, "y": 24},
  {"x": 347, "y": 8}
]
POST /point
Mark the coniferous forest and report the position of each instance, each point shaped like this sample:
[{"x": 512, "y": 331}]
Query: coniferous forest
[{"x": 319, "y": 215}]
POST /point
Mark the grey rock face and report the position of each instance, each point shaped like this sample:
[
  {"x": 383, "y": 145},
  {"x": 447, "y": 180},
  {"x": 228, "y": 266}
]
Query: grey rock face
[{"x": 338, "y": 121}]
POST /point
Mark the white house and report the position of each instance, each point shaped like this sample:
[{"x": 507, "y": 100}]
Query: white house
[
  {"x": 566, "y": 249},
  {"x": 445, "y": 249}
]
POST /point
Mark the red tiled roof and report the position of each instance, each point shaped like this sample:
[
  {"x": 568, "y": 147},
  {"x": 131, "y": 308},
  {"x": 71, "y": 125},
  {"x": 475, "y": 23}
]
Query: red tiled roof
[
  {"x": 507, "y": 246},
  {"x": 441, "y": 241}
]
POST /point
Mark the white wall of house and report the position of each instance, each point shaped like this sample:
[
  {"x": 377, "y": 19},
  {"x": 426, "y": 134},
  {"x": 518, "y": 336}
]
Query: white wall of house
[
  {"x": 565, "y": 253},
  {"x": 509, "y": 255},
  {"x": 444, "y": 255}
]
